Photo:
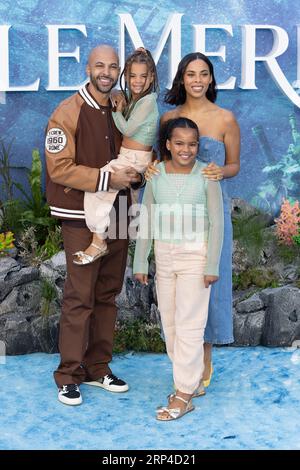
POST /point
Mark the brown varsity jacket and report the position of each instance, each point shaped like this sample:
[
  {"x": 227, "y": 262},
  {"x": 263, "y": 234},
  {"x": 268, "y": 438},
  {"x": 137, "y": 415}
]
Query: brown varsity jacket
[{"x": 81, "y": 138}]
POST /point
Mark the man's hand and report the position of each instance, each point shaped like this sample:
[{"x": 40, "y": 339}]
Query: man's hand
[
  {"x": 208, "y": 280},
  {"x": 142, "y": 278},
  {"x": 123, "y": 178},
  {"x": 136, "y": 177}
]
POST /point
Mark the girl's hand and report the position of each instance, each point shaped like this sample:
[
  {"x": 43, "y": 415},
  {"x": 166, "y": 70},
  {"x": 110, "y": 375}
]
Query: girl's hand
[
  {"x": 118, "y": 100},
  {"x": 141, "y": 49},
  {"x": 142, "y": 278},
  {"x": 151, "y": 170},
  {"x": 120, "y": 105},
  {"x": 213, "y": 172},
  {"x": 208, "y": 280}
]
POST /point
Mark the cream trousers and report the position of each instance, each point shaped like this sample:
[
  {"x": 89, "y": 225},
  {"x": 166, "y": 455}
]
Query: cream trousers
[
  {"x": 183, "y": 305},
  {"x": 97, "y": 206}
]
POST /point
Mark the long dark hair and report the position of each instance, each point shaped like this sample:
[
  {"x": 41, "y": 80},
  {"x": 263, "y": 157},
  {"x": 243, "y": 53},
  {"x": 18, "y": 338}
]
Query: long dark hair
[
  {"x": 139, "y": 56},
  {"x": 177, "y": 94},
  {"x": 166, "y": 132}
]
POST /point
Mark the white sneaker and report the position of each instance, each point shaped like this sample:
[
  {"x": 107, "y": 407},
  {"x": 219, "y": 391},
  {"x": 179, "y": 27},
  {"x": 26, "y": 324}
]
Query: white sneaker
[
  {"x": 70, "y": 395},
  {"x": 111, "y": 383}
]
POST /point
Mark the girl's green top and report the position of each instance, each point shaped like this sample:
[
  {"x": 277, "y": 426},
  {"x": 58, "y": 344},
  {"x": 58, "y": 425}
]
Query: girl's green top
[
  {"x": 142, "y": 122},
  {"x": 181, "y": 208}
]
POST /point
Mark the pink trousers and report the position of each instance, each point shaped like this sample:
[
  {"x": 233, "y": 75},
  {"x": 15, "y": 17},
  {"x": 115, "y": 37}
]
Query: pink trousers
[
  {"x": 183, "y": 305},
  {"x": 97, "y": 206}
]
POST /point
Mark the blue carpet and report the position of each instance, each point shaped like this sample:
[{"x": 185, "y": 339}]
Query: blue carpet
[{"x": 253, "y": 403}]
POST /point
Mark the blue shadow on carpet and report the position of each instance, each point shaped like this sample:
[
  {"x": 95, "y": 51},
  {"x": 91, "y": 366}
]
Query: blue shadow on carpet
[{"x": 253, "y": 402}]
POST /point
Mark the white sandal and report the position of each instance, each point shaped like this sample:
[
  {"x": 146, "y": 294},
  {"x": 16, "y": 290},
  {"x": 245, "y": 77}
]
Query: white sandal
[
  {"x": 199, "y": 392},
  {"x": 174, "y": 413},
  {"x": 84, "y": 258}
]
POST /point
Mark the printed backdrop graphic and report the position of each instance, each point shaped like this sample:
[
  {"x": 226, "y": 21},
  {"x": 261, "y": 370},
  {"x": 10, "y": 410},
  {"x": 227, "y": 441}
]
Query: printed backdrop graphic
[{"x": 268, "y": 116}]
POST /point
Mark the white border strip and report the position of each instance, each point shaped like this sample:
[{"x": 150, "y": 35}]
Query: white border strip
[
  {"x": 67, "y": 216},
  {"x": 87, "y": 97},
  {"x": 71, "y": 211}
]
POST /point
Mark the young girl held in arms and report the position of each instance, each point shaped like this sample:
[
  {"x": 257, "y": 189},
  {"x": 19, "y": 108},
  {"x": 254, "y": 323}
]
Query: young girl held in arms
[{"x": 137, "y": 121}]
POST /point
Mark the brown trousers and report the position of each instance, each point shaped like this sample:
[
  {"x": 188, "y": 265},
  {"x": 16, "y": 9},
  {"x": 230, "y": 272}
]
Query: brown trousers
[{"x": 89, "y": 311}]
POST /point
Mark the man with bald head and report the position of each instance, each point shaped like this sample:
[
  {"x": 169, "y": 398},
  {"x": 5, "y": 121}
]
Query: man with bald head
[{"x": 81, "y": 138}]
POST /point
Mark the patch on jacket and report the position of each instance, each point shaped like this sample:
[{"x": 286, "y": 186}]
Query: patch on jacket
[{"x": 56, "y": 140}]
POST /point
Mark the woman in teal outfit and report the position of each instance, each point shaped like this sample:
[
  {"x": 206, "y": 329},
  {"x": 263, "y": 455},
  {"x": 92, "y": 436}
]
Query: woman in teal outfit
[{"x": 194, "y": 93}]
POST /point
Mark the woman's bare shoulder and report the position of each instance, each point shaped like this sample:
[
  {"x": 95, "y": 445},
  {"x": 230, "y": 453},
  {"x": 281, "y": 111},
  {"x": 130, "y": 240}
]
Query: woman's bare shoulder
[
  {"x": 227, "y": 116},
  {"x": 172, "y": 114}
]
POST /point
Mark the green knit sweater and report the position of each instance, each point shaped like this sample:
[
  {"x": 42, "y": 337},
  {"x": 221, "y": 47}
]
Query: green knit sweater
[{"x": 181, "y": 208}]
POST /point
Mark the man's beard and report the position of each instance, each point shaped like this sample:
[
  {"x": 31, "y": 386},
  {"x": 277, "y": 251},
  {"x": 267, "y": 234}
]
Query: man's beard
[{"x": 102, "y": 89}]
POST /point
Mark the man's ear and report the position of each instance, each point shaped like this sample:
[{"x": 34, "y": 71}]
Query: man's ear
[{"x": 88, "y": 70}]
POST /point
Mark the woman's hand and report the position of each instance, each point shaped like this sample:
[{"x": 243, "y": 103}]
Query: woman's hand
[
  {"x": 208, "y": 280},
  {"x": 213, "y": 172},
  {"x": 151, "y": 170},
  {"x": 142, "y": 278}
]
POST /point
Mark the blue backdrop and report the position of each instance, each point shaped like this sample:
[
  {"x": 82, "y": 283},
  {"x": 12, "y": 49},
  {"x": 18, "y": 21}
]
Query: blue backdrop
[{"x": 270, "y": 150}]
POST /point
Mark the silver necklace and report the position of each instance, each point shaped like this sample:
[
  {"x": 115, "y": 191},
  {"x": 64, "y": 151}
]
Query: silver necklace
[{"x": 179, "y": 185}]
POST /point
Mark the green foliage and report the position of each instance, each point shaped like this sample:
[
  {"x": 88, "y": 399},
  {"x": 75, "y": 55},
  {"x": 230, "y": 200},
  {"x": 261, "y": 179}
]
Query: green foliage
[
  {"x": 37, "y": 203},
  {"x": 53, "y": 243},
  {"x": 259, "y": 277},
  {"x": 6, "y": 242},
  {"x": 138, "y": 335},
  {"x": 11, "y": 208},
  {"x": 296, "y": 238},
  {"x": 30, "y": 251},
  {"x": 288, "y": 254},
  {"x": 49, "y": 294},
  {"x": 5, "y": 167},
  {"x": 131, "y": 250},
  {"x": 236, "y": 282},
  {"x": 33, "y": 209},
  {"x": 37, "y": 211},
  {"x": 11, "y": 216},
  {"x": 248, "y": 230},
  {"x": 8, "y": 184}
]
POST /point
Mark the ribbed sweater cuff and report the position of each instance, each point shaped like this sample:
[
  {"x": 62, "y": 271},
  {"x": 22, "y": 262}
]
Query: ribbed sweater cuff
[
  {"x": 211, "y": 271},
  {"x": 104, "y": 181},
  {"x": 140, "y": 267}
]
